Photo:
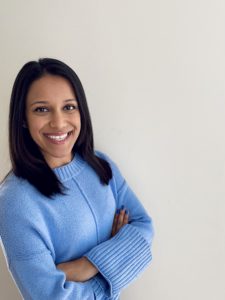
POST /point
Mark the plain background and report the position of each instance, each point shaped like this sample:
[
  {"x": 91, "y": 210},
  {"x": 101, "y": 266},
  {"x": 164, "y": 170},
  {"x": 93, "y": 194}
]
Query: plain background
[{"x": 154, "y": 75}]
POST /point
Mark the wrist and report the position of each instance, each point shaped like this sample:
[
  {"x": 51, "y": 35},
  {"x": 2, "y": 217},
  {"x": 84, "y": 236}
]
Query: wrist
[
  {"x": 78, "y": 270},
  {"x": 88, "y": 268}
]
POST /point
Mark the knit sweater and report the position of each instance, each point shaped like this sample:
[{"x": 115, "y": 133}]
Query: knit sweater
[{"x": 38, "y": 233}]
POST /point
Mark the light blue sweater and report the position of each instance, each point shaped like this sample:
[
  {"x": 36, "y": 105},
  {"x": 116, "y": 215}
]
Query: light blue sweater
[{"x": 38, "y": 233}]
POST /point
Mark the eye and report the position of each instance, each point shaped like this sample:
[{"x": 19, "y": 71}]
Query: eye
[
  {"x": 41, "y": 109},
  {"x": 70, "y": 107}
]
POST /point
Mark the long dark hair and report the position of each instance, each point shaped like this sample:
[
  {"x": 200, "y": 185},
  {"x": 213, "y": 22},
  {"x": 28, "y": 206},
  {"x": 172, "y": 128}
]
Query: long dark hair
[{"x": 26, "y": 158}]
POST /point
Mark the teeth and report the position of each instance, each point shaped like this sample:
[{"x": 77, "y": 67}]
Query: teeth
[{"x": 58, "y": 137}]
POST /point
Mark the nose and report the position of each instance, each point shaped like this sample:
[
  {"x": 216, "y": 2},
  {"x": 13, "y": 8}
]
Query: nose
[{"x": 57, "y": 120}]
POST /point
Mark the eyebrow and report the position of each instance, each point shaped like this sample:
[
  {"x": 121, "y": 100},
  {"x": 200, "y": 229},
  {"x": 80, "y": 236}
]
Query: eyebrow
[{"x": 46, "y": 102}]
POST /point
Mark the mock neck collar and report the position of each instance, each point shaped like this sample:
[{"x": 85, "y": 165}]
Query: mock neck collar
[{"x": 71, "y": 169}]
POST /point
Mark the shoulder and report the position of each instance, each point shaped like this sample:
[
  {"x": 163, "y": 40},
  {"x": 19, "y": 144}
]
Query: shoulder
[
  {"x": 105, "y": 157},
  {"x": 118, "y": 179},
  {"x": 108, "y": 159},
  {"x": 101, "y": 154},
  {"x": 11, "y": 186},
  {"x": 14, "y": 195}
]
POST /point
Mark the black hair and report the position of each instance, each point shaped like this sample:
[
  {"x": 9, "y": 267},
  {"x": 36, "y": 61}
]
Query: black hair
[{"x": 27, "y": 160}]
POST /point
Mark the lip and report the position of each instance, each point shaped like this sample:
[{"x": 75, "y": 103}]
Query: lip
[{"x": 58, "y": 142}]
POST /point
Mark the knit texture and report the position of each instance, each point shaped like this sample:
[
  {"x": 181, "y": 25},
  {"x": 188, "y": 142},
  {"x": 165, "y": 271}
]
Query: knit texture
[{"x": 38, "y": 233}]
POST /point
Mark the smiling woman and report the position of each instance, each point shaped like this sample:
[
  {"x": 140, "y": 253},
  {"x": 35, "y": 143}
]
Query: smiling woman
[{"x": 78, "y": 230}]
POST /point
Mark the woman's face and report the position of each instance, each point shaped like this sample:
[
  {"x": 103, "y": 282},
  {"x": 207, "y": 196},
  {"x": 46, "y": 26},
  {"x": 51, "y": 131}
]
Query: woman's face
[{"x": 53, "y": 118}]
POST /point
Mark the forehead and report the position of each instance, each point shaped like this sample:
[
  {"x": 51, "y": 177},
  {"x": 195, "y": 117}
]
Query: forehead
[{"x": 50, "y": 87}]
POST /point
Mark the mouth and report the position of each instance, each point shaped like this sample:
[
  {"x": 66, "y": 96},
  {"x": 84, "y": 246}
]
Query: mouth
[{"x": 59, "y": 137}]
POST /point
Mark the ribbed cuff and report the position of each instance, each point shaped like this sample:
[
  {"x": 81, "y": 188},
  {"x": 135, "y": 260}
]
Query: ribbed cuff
[
  {"x": 121, "y": 258},
  {"x": 99, "y": 293},
  {"x": 100, "y": 287}
]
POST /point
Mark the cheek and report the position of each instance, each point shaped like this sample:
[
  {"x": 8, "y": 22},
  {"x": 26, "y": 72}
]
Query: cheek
[
  {"x": 79, "y": 127},
  {"x": 34, "y": 127},
  {"x": 77, "y": 122}
]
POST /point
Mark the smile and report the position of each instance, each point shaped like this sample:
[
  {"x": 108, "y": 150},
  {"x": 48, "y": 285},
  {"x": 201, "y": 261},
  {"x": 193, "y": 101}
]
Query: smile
[{"x": 58, "y": 137}]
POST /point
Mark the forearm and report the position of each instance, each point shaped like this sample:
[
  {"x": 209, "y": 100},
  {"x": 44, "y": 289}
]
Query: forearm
[
  {"x": 78, "y": 270},
  {"x": 82, "y": 269},
  {"x": 122, "y": 258}
]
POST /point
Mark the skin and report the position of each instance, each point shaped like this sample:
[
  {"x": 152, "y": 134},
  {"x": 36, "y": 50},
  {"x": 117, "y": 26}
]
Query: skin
[
  {"x": 51, "y": 113},
  {"x": 52, "y": 110},
  {"x": 119, "y": 221}
]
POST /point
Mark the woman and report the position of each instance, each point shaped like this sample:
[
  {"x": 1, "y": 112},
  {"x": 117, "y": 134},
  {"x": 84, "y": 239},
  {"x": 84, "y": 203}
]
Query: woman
[{"x": 70, "y": 225}]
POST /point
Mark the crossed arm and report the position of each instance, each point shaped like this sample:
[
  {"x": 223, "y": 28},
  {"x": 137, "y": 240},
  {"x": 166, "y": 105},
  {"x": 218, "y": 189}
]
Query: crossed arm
[{"x": 82, "y": 269}]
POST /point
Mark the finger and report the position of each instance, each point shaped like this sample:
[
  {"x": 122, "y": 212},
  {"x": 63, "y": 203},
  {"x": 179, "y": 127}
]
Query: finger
[
  {"x": 115, "y": 221},
  {"x": 114, "y": 225},
  {"x": 120, "y": 219},
  {"x": 126, "y": 217}
]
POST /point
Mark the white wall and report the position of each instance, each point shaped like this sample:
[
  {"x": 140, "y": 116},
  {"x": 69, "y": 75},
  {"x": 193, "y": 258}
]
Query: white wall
[{"x": 154, "y": 75}]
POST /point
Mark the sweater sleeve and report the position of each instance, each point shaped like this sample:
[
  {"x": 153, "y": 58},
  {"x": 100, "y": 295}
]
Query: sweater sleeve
[
  {"x": 37, "y": 278},
  {"x": 32, "y": 264},
  {"x": 122, "y": 258}
]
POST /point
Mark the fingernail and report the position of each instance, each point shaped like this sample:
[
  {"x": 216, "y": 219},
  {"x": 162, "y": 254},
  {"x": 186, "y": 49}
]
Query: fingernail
[
  {"x": 117, "y": 211},
  {"x": 122, "y": 207},
  {"x": 126, "y": 212}
]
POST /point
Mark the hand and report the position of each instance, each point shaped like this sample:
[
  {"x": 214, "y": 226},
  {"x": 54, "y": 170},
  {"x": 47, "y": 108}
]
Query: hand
[
  {"x": 78, "y": 270},
  {"x": 120, "y": 219}
]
